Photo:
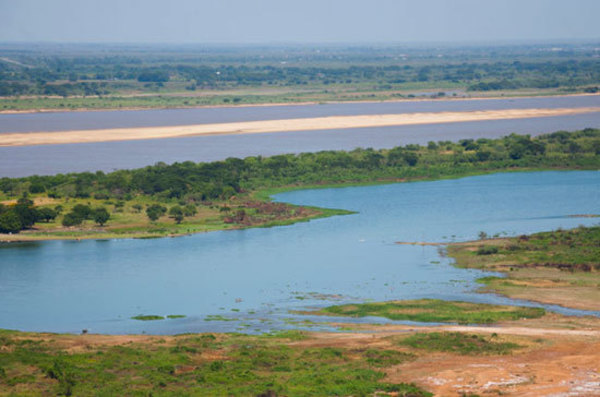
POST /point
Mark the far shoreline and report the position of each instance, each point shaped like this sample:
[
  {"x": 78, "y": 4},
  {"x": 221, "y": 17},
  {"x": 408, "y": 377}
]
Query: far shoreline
[{"x": 300, "y": 103}]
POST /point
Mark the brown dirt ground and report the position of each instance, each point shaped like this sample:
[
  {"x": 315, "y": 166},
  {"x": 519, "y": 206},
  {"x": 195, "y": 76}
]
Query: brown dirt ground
[
  {"x": 565, "y": 367},
  {"x": 555, "y": 361},
  {"x": 560, "y": 356}
]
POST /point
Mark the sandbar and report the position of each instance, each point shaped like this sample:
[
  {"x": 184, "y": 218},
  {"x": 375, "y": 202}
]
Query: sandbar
[{"x": 272, "y": 126}]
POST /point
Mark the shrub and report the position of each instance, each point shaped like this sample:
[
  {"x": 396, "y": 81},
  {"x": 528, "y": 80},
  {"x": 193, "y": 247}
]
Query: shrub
[{"x": 487, "y": 250}]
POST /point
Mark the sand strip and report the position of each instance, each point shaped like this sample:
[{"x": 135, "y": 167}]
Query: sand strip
[{"x": 253, "y": 127}]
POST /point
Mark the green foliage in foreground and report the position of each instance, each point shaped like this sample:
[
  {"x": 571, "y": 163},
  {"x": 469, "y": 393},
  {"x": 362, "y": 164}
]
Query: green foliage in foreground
[
  {"x": 195, "y": 365},
  {"x": 456, "y": 342},
  {"x": 435, "y": 311}
]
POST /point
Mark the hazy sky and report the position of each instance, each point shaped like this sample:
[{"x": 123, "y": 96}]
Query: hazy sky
[{"x": 287, "y": 21}]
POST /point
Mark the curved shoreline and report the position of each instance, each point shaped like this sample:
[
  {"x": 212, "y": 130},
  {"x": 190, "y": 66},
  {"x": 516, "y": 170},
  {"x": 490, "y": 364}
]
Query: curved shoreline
[{"x": 272, "y": 126}]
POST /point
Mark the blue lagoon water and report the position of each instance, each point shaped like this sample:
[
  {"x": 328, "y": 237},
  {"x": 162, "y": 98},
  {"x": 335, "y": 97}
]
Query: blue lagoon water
[{"x": 255, "y": 277}]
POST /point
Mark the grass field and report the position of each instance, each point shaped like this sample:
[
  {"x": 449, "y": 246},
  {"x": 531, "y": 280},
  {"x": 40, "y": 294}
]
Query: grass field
[{"x": 192, "y": 365}]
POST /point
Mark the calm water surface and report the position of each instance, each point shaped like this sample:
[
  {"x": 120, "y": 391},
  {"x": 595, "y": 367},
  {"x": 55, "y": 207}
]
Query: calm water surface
[{"x": 254, "y": 277}]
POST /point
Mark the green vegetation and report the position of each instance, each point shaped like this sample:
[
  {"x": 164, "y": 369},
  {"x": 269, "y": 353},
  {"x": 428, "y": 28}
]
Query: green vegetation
[
  {"x": 234, "y": 192},
  {"x": 74, "y": 77},
  {"x": 192, "y": 365},
  {"x": 21, "y": 215},
  {"x": 173, "y": 316},
  {"x": 559, "y": 267},
  {"x": 456, "y": 342},
  {"x": 81, "y": 212},
  {"x": 434, "y": 311},
  {"x": 147, "y": 317},
  {"x": 571, "y": 250}
]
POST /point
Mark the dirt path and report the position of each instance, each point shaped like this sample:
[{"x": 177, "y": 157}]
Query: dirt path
[{"x": 253, "y": 127}]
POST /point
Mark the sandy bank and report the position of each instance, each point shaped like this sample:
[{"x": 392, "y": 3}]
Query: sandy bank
[{"x": 267, "y": 126}]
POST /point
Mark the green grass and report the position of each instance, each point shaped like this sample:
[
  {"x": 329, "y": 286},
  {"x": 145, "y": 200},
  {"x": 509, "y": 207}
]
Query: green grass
[
  {"x": 558, "y": 267},
  {"x": 574, "y": 250},
  {"x": 173, "y": 316},
  {"x": 194, "y": 365},
  {"x": 147, "y": 317},
  {"x": 456, "y": 342},
  {"x": 434, "y": 311}
]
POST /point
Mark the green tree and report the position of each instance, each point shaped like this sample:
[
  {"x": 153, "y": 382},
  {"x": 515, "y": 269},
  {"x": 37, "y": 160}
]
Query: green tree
[
  {"x": 176, "y": 212},
  {"x": 82, "y": 211},
  {"x": 190, "y": 210},
  {"x": 46, "y": 214},
  {"x": 155, "y": 211},
  {"x": 101, "y": 216},
  {"x": 26, "y": 212},
  {"x": 10, "y": 222},
  {"x": 71, "y": 219},
  {"x": 411, "y": 158}
]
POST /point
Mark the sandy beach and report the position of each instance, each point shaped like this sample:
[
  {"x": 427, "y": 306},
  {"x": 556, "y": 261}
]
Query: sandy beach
[{"x": 270, "y": 126}]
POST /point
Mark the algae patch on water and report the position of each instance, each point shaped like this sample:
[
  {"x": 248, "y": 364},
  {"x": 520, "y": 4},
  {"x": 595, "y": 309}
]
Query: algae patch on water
[
  {"x": 147, "y": 317},
  {"x": 434, "y": 311},
  {"x": 154, "y": 317}
]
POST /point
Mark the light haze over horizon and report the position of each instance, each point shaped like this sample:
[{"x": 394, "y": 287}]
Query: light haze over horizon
[{"x": 306, "y": 21}]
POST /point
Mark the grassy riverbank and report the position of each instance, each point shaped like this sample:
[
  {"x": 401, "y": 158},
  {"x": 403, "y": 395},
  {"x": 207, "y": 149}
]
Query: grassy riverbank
[
  {"x": 225, "y": 364},
  {"x": 235, "y": 193},
  {"x": 559, "y": 267},
  {"x": 387, "y": 360}
]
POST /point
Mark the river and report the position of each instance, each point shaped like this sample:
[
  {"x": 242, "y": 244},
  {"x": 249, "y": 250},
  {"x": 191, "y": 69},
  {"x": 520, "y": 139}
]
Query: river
[
  {"x": 249, "y": 280},
  {"x": 108, "y": 156}
]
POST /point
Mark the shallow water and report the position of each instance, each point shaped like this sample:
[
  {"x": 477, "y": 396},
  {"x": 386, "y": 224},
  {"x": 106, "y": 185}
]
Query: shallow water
[{"x": 255, "y": 276}]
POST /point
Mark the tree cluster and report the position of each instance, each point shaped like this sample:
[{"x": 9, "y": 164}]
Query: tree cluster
[
  {"x": 81, "y": 212},
  {"x": 22, "y": 215}
]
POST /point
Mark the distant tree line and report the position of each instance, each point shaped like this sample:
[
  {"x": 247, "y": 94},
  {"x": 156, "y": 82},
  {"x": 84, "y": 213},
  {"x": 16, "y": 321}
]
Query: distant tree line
[{"x": 79, "y": 77}]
